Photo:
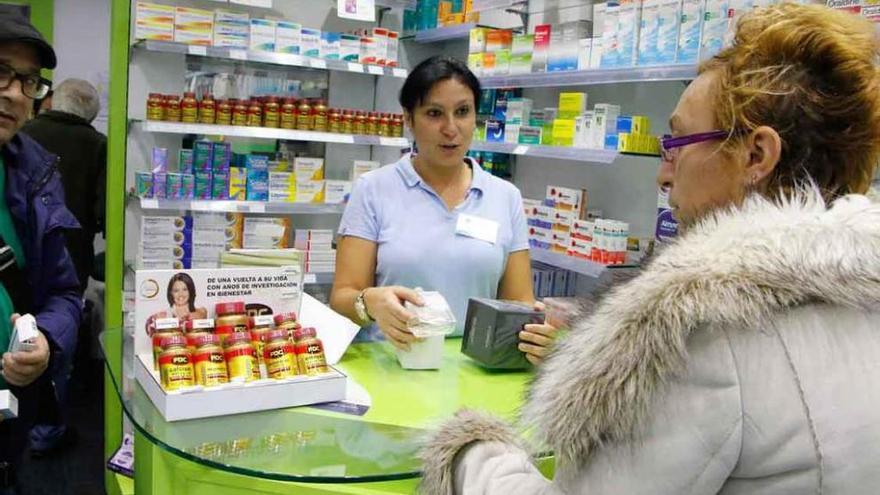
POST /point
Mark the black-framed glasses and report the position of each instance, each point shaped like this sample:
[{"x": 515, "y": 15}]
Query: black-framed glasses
[
  {"x": 32, "y": 85},
  {"x": 669, "y": 144}
]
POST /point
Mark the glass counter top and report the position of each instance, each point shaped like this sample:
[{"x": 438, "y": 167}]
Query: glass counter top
[{"x": 308, "y": 444}]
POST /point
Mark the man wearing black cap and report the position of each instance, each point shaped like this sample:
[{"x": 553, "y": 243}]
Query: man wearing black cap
[{"x": 36, "y": 273}]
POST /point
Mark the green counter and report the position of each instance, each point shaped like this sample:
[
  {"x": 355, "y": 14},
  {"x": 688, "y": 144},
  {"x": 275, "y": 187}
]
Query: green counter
[{"x": 313, "y": 451}]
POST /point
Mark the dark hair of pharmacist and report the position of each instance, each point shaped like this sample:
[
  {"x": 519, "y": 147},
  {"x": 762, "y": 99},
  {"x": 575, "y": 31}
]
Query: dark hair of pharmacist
[
  {"x": 432, "y": 71},
  {"x": 190, "y": 286}
]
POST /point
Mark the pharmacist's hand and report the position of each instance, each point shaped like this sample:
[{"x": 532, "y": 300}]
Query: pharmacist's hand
[
  {"x": 385, "y": 305},
  {"x": 537, "y": 338},
  {"x": 23, "y": 367}
]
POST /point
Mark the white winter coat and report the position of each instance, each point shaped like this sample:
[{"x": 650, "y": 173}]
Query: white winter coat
[{"x": 744, "y": 360}]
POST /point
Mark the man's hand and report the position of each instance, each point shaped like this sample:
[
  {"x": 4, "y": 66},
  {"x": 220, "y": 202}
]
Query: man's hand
[{"x": 23, "y": 367}]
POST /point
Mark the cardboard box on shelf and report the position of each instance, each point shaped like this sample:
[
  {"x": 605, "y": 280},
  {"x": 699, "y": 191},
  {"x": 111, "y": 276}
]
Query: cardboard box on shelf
[
  {"x": 231, "y": 29},
  {"x": 361, "y": 167},
  {"x": 309, "y": 191},
  {"x": 310, "y": 42},
  {"x": 308, "y": 168},
  {"x": 262, "y": 35},
  {"x": 282, "y": 187},
  {"x": 266, "y": 232},
  {"x": 193, "y": 26},
  {"x": 288, "y": 37},
  {"x": 336, "y": 191},
  {"x": 541, "y": 53},
  {"x": 154, "y": 22}
]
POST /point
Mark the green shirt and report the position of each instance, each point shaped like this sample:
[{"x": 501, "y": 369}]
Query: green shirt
[{"x": 7, "y": 230}]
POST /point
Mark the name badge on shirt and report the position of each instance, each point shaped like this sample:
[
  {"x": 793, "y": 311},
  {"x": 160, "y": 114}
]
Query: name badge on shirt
[{"x": 476, "y": 227}]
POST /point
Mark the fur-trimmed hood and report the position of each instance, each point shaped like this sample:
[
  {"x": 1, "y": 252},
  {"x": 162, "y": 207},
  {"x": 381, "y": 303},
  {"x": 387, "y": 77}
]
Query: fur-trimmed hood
[{"x": 736, "y": 268}]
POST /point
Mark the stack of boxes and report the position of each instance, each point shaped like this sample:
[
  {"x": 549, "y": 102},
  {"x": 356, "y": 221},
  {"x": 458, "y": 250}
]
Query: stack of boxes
[
  {"x": 211, "y": 171},
  {"x": 238, "y": 30},
  {"x": 320, "y": 257},
  {"x": 560, "y": 223},
  {"x": 431, "y": 14},
  {"x": 625, "y": 33},
  {"x": 510, "y": 118}
]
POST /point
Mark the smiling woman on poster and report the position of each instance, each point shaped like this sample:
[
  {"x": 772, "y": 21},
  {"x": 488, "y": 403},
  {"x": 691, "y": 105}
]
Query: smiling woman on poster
[{"x": 181, "y": 294}]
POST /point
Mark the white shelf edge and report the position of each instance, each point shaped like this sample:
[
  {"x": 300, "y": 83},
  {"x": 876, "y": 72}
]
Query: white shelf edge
[
  {"x": 583, "y": 267},
  {"x": 397, "y": 4},
  {"x": 484, "y": 5},
  {"x": 587, "y": 155},
  {"x": 282, "y": 59},
  {"x": 592, "y": 77},
  {"x": 266, "y": 133},
  {"x": 459, "y": 31},
  {"x": 219, "y": 205}
]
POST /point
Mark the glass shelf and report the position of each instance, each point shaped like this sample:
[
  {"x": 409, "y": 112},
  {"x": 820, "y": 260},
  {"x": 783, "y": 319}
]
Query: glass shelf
[
  {"x": 397, "y": 4},
  {"x": 572, "y": 264},
  {"x": 282, "y": 59},
  {"x": 458, "y": 31},
  {"x": 308, "y": 444},
  {"x": 483, "y": 5},
  {"x": 266, "y": 133},
  {"x": 587, "y": 155},
  {"x": 241, "y": 206},
  {"x": 592, "y": 77}
]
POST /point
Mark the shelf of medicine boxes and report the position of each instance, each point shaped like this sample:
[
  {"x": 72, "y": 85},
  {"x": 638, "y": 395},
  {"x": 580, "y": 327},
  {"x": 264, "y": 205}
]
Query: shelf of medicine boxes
[
  {"x": 572, "y": 264},
  {"x": 592, "y": 77},
  {"x": 266, "y": 133},
  {"x": 217, "y": 205},
  {"x": 283, "y": 59}
]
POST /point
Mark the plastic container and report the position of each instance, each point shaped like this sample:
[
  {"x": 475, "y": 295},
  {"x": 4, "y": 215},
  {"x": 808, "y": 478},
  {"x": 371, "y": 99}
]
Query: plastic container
[
  {"x": 155, "y": 107},
  {"x": 224, "y": 113},
  {"x": 271, "y": 113},
  {"x": 372, "y": 126},
  {"x": 279, "y": 355},
  {"x": 334, "y": 120},
  {"x": 172, "y": 108},
  {"x": 288, "y": 114},
  {"x": 232, "y": 314},
  {"x": 254, "y": 113},
  {"x": 304, "y": 115},
  {"x": 287, "y": 321},
  {"x": 209, "y": 362},
  {"x": 240, "y": 112},
  {"x": 397, "y": 125},
  {"x": 189, "y": 108},
  {"x": 425, "y": 354},
  {"x": 360, "y": 122},
  {"x": 309, "y": 352},
  {"x": 319, "y": 116},
  {"x": 347, "y": 122},
  {"x": 431, "y": 323},
  {"x": 175, "y": 364},
  {"x": 241, "y": 358},
  {"x": 207, "y": 110}
]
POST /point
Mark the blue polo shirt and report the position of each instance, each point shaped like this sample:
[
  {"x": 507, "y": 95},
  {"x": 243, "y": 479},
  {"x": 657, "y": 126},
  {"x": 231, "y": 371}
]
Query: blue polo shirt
[{"x": 416, "y": 233}]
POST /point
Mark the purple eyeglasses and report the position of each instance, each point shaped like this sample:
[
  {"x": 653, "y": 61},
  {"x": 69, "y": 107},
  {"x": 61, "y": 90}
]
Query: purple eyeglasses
[{"x": 668, "y": 143}]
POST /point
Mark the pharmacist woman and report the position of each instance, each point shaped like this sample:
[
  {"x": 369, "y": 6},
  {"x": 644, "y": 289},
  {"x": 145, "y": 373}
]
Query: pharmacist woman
[{"x": 434, "y": 220}]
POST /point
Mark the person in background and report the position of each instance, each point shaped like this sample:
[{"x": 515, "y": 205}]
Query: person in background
[
  {"x": 37, "y": 275},
  {"x": 45, "y": 104},
  {"x": 66, "y": 131},
  {"x": 434, "y": 220},
  {"x": 744, "y": 359}
]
